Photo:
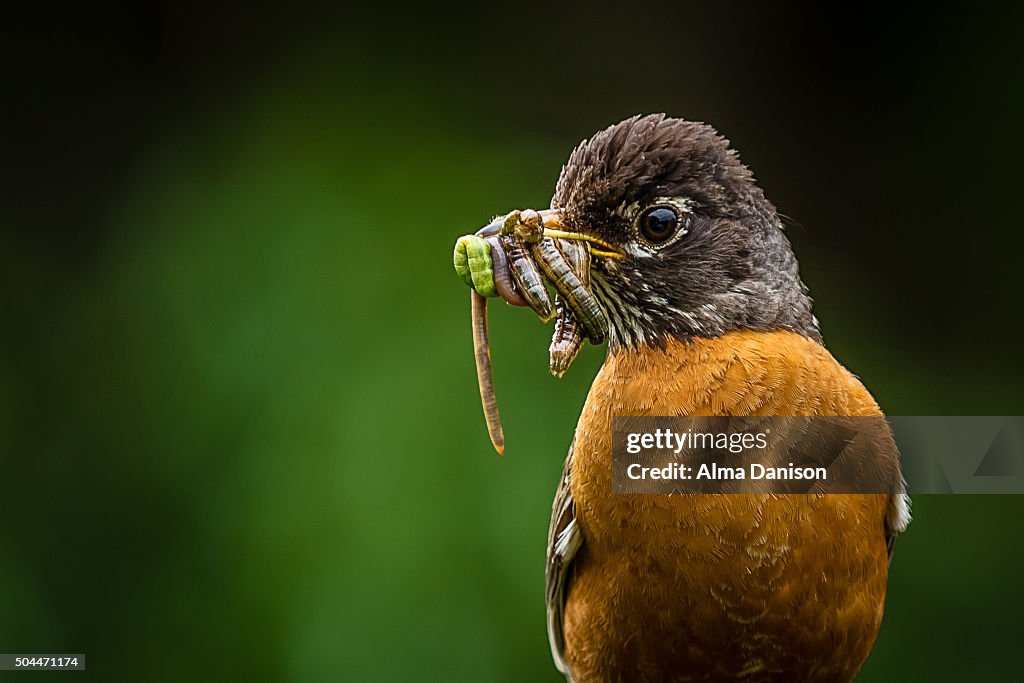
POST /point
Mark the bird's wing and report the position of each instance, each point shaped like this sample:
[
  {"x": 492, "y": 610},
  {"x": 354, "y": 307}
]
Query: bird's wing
[{"x": 564, "y": 542}]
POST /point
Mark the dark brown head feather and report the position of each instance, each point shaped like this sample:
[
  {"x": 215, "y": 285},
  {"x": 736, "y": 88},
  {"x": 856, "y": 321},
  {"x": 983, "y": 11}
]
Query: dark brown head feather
[{"x": 734, "y": 269}]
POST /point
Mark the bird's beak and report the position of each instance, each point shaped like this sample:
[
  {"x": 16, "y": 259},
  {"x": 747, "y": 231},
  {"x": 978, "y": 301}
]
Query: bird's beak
[
  {"x": 554, "y": 227},
  {"x": 492, "y": 229}
]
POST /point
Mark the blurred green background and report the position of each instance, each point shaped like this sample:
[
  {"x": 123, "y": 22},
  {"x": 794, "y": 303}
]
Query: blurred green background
[{"x": 240, "y": 437}]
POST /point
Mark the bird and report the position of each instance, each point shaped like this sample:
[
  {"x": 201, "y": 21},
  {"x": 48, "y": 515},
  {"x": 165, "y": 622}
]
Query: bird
[{"x": 707, "y": 315}]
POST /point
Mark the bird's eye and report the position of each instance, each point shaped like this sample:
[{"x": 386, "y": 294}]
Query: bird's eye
[{"x": 658, "y": 224}]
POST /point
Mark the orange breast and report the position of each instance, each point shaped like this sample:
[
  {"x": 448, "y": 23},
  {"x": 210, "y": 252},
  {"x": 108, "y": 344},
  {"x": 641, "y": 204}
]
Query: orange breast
[{"x": 725, "y": 587}]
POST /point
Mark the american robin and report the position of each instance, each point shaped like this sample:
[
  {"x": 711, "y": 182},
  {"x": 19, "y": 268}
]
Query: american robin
[{"x": 707, "y": 315}]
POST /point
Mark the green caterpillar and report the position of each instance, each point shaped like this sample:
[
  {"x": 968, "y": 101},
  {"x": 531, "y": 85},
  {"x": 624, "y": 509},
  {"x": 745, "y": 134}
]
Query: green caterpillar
[{"x": 473, "y": 264}]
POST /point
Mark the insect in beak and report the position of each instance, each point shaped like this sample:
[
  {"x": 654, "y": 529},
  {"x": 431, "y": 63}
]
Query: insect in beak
[{"x": 515, "y": 257}]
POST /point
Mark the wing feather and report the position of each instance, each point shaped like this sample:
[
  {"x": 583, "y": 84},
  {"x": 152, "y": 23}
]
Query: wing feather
[{"x": 564, "y": 542}]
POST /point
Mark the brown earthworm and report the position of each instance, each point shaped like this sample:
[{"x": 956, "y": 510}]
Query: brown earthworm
[
  {"x": 484, "y": 378},
  {"x": 503, "y": 282},
  {"x": 506, "y": 289}
]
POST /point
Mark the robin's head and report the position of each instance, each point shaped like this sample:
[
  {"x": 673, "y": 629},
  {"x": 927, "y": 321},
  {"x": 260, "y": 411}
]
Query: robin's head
[{"x": 700, "y": 251}]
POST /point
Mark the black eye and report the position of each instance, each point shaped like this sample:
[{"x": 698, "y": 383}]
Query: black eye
[{"x": 658, "y": 224}]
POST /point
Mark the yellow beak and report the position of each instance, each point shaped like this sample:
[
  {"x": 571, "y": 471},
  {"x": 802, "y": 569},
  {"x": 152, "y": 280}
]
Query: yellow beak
[{"x": 553, "y": 227}]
